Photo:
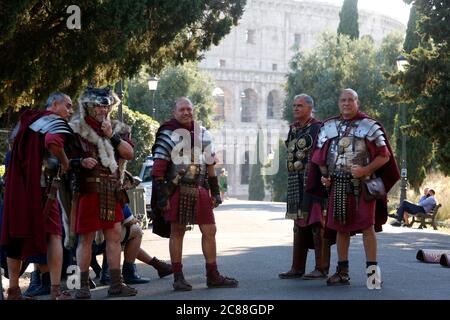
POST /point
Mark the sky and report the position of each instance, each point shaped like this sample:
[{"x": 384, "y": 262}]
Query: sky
[{"x": 394, "y": 8}]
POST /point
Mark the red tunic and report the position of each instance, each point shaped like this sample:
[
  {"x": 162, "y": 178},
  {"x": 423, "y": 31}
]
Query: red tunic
[
  {"x": 369, "y": 212},
  {"x": 204, "y": 215}
]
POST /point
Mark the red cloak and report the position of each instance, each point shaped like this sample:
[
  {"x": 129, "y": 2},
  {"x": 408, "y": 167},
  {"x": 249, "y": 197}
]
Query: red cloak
[{"x": 23, "y": 222}]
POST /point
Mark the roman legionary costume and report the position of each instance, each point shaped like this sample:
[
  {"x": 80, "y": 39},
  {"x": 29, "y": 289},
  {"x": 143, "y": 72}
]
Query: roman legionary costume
[
  {"x": 182, "y": 161},
  {"x": 180, "y": 177},
  {"x": 99, "y": 204},
  {"x": 306, "y": 210},
  {"x": 340, "y": 145},
  {"x": 29, "y": 177},
  {"x": 31, "y": 211}
]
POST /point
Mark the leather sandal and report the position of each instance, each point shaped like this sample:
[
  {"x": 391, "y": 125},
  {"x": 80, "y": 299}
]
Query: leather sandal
[
  {"x": 315, "y": 274},
  {"x": 222, "y": 282},
  {"x": 340, "y": 278},
  {"x": 291, "y": 274},
  {"x": 122, "y": 290}
]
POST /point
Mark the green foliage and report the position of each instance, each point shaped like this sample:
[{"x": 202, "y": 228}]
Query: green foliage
[
  {"x": 337, "y": 63},
  {"x": 419, "y": 149},
  {"x": 348, "y": 23},
  {"x": 256, "y": 184},
  {"x": 412, "y": 39},
  {"x": 426, "y": 83},
  {"x": 278, "y": 182},
  {"x": 39, "y": 54},
  {"x": 175, "y": 81},
  {"x": 143, "y": 131}
]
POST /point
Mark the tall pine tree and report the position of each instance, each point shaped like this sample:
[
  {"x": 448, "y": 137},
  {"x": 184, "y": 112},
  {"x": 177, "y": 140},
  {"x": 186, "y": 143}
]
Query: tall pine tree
[
  {"x": 256, "y": 184},
  {"x": 419, "y": 149},
  {"x": 348, "y": 23}
]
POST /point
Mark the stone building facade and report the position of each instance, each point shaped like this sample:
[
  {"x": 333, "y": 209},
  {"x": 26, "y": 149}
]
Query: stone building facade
[{"x": 250, "y": 66}]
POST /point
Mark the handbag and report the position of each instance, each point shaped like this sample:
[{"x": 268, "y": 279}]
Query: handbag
[{"x": 373, "y": 189}]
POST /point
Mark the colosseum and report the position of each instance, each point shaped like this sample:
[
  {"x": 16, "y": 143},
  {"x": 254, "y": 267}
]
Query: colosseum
[{"x": 250, "y": 66}]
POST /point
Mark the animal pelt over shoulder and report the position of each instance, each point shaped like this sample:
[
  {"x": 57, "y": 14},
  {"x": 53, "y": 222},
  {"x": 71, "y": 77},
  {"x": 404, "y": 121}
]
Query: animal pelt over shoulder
[{"x": 105, "y": 148}]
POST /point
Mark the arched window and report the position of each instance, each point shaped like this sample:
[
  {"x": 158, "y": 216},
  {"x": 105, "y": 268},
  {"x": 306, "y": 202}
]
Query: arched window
[
  {"x": 249, "y": 102},
  {"x": 219, "y": 104},
  {"x": 273, "y": 105},
  {"x": 245, "y": 169}
]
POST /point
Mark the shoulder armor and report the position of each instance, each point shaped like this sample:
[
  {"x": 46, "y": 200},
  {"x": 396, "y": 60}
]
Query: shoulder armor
[
  {"x": 369, "y": 129},
  {"x": 51, "y": 123},
  {"x": 162, "y": 148},
  {"x": 364, "y": 127},
  {"x": 328, "y": 131}
]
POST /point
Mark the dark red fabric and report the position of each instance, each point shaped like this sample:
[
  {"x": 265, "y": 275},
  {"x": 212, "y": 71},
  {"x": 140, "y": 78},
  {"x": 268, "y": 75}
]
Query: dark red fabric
[
  {"x": 94, "y": 124},
  {"x": 88, "y": 215},
  {"x": 204, "y": 215},
  {"x": 23, "y": 222},
  {"x": 389, "y": 173},
  {"x": 56, "y": 139}
]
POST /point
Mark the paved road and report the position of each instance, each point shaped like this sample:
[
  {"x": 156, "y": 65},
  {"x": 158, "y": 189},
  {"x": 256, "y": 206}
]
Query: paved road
[{"x": 254, "y": 245}]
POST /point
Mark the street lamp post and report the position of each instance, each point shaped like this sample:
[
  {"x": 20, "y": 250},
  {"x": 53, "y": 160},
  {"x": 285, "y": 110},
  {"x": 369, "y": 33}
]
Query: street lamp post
[
  {"x": 402, "y": 63},
  {"x": 152, "y": 86},
  {"x": 120, "y": 94}
]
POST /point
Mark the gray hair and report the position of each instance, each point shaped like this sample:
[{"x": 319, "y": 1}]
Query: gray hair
[
  {"x": 55, "y": 96},
  {"x": 182, "y": 99},
  {"x": 353, "y": 92},
  {"x": 309, "y": 100}
]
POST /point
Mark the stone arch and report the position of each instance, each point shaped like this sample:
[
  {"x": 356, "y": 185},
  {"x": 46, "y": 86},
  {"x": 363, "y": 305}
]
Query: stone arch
[
  {"x": 245, "y": 169},
  {"x": 219, "y": 104},
  {"x": 274, "y": 105},
  {"x": 249, "y": 105}
]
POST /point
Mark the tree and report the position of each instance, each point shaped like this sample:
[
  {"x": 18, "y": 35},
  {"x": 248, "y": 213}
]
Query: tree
[
  {"x": 337, "y": 63},
  {"x": 256, "y": 184},
  {"x": 426, "y": 83},
  {"x": 416, "y": 144},
  {"x": 278, "y": 182},
  {"x": 348, "y": 23},
  {"x": 143, "y": 132},
  {"x": 175, "y": 81},
  {"x": 40, "y": 54}
]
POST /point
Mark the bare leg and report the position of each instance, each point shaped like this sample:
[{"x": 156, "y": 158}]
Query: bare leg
[
  {"x": 14, "y": 266},
  {"x": 84, "y": 250},
  {"x": 342, "y": 245},
  {"x": 113, "y": 248},
  {"x": 54, "y": 258},
  {"x": 370, "y": 244},
  {"x": 132, "y": 249},
  {"x": 144, "y": 256},
  {"x": 176, "y": 241},
  {"x": 209, "y": 242}
]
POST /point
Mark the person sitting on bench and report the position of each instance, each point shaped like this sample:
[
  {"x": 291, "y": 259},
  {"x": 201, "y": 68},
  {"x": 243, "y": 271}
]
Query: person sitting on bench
[{"x": 425, "y": 204}]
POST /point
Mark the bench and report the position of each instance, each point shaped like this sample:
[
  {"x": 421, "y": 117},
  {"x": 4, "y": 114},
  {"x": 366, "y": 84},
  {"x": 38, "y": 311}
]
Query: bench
[{"x": 426, "y": 218}]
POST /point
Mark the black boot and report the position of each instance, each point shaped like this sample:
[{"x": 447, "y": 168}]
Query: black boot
[
  {"x": 45, "y": 286},
  {"x": 35, "y": 283},
  {"x": 130, "y": 275},
  {"x": 105, "y": 279}
]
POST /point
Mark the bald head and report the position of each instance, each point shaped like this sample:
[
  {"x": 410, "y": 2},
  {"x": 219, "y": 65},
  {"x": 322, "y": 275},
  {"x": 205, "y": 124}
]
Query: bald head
[
  {"x": 348, "y": 103},
  {"x": 183, "y": 111}
]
